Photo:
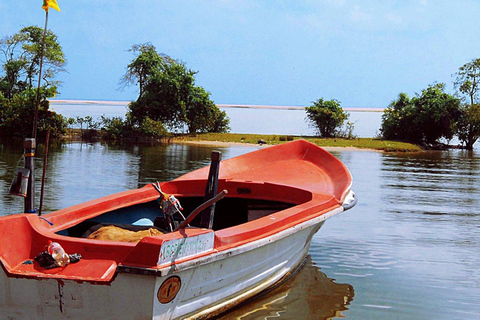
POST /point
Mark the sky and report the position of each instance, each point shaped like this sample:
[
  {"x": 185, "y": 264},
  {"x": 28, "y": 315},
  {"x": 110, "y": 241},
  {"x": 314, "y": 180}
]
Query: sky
[{"x": 361, "y": 53}]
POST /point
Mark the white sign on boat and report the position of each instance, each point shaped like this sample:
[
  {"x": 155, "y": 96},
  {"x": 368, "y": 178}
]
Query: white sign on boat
[{"x": 181, "y": 248}]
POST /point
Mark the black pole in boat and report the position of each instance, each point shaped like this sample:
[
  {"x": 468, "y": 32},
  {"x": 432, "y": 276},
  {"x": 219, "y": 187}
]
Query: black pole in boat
[
  {"x": 200, "y": 208},
  {"x": 45, "y": 159},
  {"x": 206, "y": 219},
  {"x": 29, "y": 153}
]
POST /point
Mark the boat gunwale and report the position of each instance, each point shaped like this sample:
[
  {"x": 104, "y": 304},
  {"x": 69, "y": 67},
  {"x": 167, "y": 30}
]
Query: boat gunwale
[
  {"x": 233, "y": 250},
  {"x": 218, "y": 252}
]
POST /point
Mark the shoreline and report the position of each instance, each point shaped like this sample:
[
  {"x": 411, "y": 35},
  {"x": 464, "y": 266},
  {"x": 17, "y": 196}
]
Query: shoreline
[
  {"x": 242, "y": 144},
  {"x": 332, "y": 144},
  {"x": 224, "y": 106}
]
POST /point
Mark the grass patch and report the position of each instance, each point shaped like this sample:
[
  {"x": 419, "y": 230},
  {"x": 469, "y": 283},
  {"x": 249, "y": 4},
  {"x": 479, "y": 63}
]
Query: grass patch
[{"x": 363, "y": 143}]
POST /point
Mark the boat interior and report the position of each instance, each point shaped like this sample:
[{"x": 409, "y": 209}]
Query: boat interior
[
  {"x": 245, "y": 202},
  {"x": 248, "y": 197}
]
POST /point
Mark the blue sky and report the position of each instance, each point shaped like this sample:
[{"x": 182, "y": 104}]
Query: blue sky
[{"x": 362, "y": 53}]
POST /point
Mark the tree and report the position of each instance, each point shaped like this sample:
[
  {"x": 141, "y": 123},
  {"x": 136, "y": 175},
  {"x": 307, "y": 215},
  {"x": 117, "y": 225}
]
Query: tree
[
  {"x": 468, "y": 125},
  {"x": 326, "y": 116},
  {"x": 220, "y": 123},
  {"x": 467, "y": 83},
  {"x": 147, "y": 63},
  {"x": 423, "y": 119},
  {"x": 202, "y": 115},
  {"x": 22, "y": 53},
  {"x": 167, "y": 93},
  {"x": 397, "y": 119},
  {"x": 18, "y": 82}
]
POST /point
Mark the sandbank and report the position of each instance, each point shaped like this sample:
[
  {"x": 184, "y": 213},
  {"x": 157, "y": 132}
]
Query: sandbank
[
  {"x": 224, "y": 106},
  {"x": 225, "y": 144}
]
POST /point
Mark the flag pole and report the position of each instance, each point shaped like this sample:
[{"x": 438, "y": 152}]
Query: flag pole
[
  {"x": 30, "y": 144},
  {"x": 35, "y": 119}
]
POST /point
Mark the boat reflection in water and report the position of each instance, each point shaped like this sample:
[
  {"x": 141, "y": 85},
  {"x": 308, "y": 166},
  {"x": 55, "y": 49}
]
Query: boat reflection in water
[{"x": 309, "y": 294}]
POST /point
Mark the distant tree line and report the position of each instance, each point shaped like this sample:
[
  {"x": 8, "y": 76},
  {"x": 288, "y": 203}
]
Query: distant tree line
[
  {"x": 424, "y": 119},
  {"x": 168, "y": 101},
  {"x": 433, "y": 114}
]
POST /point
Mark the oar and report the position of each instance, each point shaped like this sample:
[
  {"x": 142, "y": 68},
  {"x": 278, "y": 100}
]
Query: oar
[{"x": 200, "y": 208}]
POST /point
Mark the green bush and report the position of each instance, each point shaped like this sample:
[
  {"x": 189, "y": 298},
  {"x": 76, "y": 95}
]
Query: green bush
[
  {"x": 326, "y": 116},
  {"x": 423, "y": 119},
  {"x": 153, "y": 128}
]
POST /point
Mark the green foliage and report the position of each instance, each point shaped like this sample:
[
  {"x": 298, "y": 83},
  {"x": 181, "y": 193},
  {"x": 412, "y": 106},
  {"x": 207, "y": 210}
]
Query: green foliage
[
  {"x": 16, "y": 116},
  {"x": 115, "y": 128},
  {"x": 468, "y": 125},
  {"x": 219, "y": 123},
  {"x": 164, "y": 96},
  {"x": 424, "y": 119},
  {"x": 21, "y": 60},
  {"x": 202, "y": 115},
  {"x": 153, "y": 128},
  {"x": 326, "y": 116},
  {"x": 90, "y": 133},
  {"x": 348, "y": 132},
  {"x": 18, "y": 83},
  {"x": 143, "y": 66},
  {"x": 285, "y": 138},
  {"x": 199, "y": 111},
  {"x": 167, "y": 93},
  {"x": 467, "y": 83}
]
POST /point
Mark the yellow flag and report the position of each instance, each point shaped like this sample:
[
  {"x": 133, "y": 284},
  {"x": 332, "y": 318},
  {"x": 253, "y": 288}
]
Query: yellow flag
[{"x": 50, "y": 4}]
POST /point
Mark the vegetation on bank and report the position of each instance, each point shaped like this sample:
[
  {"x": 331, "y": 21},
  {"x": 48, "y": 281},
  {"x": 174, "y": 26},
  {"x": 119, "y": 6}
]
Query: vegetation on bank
[
  {"x": 327, "y": 117},
  {"x": 434, "y": 115},
  {"x": 362, "y": 143},
  {"x": 21, "y": 56},
  {"x": 168, "y": 94},
  {"x": 424, "y": 119},
  {"x": 170, "y": 103}
]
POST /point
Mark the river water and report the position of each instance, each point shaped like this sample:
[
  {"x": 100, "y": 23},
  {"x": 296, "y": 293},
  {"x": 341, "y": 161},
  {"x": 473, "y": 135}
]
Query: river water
[{"x": 410, "y": 249}]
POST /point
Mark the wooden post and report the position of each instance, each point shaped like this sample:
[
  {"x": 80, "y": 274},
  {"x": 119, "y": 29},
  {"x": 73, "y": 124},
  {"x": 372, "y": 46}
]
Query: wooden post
[
  {"x": 206, "y": 220},
  {"x": 29, "y": 146}
]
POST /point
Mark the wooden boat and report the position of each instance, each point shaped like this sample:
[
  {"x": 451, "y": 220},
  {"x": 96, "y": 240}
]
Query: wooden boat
[{"x": 278, "y": 198}]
